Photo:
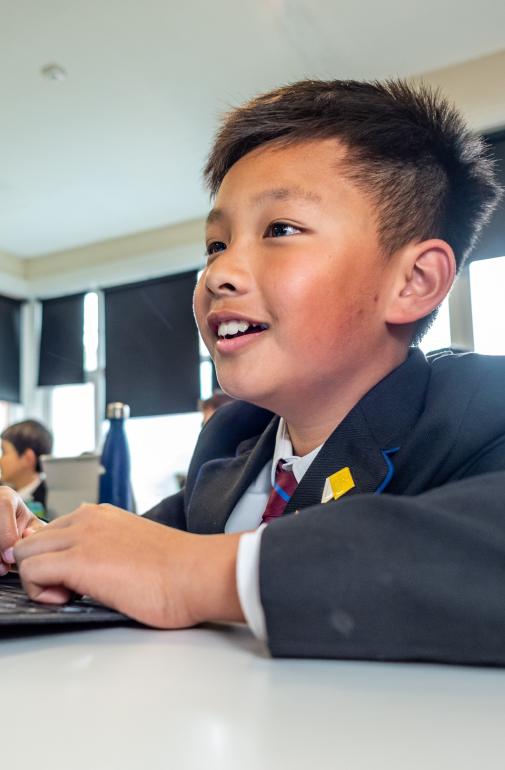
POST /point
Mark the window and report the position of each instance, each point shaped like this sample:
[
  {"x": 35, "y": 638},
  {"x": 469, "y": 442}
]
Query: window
[
  {"x": 61, "y": 353},
  {"x": 487, "y": 285},
  {"x": 160, "y": 450},
  {"x": 160, "y": 447},
  {"x": 207, "y": 375},
  {"x": 151, "y": 346},
  {"x": 90, "y": 334},
  {"x": 4, "y": 415},
  {"x": 73, "y": 419},
  {"x": 72, "y": 407},
  {"x": 10, "y": 331},
  {"x": 439, "y": 336}
]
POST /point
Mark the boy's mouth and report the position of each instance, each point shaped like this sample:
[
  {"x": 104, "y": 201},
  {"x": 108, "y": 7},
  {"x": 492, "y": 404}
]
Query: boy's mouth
[
  {"x": 238, "y": 328},
  {"x": 226, "y": 326}
]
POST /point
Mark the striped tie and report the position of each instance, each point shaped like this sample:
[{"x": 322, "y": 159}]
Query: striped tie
[{"x": 285, "y": 485}]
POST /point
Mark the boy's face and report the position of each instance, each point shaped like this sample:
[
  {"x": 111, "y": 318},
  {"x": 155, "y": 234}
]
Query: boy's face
[
  {"x": 11, "y": 463},
  {"x": 293, "y": 249}
]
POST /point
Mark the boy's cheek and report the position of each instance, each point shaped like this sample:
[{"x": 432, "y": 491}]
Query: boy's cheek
[{"x": 199, "y": 310}]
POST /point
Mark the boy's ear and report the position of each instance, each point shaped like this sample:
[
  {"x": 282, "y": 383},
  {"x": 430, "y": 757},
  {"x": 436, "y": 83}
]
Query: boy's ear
[
  {"x": 29, "y": 459},
  {"x": 424, "y": 274}
]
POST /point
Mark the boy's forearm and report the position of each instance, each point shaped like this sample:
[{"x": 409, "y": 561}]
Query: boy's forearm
[{"x": 214, "y": 583}]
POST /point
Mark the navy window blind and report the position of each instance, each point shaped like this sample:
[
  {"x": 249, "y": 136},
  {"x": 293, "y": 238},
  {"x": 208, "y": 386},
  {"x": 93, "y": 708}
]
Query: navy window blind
[
  {"x": 10, "y": 330},
  {"x": 151, "y": 346},
  {"x": 61, "y": 360}
]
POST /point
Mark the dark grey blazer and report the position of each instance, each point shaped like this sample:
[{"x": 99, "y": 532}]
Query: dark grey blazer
[{"x": 408, "y": 565}]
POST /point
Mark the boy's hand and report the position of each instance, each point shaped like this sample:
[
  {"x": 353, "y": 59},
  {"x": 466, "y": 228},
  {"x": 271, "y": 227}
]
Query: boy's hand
[
  {"x": 16, "y": 521},
  {"x": 155, "y": 574}
]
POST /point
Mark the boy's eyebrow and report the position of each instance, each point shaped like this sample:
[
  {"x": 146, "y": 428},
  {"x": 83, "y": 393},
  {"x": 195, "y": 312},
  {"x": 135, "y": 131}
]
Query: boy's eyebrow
[
  {"x": 276, "y": 193},
  {"x": 214, "y": 215},
  {"x": 284, "y": 194}
]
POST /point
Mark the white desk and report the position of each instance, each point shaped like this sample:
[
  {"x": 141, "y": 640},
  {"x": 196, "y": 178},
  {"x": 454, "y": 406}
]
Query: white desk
[{"x": 211, "y": 698}]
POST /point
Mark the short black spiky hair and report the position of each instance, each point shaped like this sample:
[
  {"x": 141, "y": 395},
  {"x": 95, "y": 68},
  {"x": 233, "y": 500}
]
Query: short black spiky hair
[{"x": 408, "y": 148}]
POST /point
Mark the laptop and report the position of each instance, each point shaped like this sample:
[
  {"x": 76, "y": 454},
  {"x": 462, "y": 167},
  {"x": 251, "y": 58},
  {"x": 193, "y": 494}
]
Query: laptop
[
  {"x": 71, "y": 481},
  {"x": 17, "y": 611}
]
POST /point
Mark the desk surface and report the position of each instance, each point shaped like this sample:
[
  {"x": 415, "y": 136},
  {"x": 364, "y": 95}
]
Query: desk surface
[{"x": 212, "y": 698}]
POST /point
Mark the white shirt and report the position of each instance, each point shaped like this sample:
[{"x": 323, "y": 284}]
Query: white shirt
[
  {"x": 26, "y": 492},
  {"x": 247, "y": 516}
]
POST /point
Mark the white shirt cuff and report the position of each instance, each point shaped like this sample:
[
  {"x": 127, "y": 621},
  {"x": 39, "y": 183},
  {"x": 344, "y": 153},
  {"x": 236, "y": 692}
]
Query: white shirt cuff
[{"x": 248, "y": 581}]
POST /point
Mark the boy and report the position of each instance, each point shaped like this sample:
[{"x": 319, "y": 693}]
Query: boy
[
  {"x": 342, "y": 211},
  {"x": 23, "y": 443}
]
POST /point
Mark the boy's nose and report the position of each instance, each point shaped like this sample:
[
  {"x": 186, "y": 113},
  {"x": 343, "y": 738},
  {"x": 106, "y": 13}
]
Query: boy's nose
[{"x": 227, "y": 275}]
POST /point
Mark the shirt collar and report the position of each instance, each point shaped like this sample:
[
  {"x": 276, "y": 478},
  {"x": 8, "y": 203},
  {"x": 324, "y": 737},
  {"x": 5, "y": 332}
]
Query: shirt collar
[
  {"x": 27, "y": 491},
  {"x": 284, "y": 451}
]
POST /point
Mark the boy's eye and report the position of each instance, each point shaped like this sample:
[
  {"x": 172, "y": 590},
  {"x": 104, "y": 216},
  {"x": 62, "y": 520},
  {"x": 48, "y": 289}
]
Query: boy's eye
[
  {"x": 281, "y": 229},
  {"x": 214, "y": 247}
]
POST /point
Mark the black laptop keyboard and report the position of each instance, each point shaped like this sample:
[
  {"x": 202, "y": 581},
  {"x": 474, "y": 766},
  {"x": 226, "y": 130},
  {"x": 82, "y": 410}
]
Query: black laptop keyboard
[{"x": 17, "y": 609}]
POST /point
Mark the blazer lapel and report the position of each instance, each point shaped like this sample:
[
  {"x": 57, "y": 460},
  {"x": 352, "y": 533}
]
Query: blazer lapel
[
  {"x": 369, "y": 437},
  {"x": 222, "y": 482},
  {"x": 352, "y": 446},
  {"x": 365, "y": 442}
]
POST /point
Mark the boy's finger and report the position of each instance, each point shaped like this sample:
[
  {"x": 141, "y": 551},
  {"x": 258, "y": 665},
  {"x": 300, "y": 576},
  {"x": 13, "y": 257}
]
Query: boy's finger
[
  {"x": 46, "y": 541},
  {"x": 8, "y": 537},
  {"x": 53, "y": 595},
  {"x": 44, "y": 577},
  {"x": 8, "y": 556},
  {"x": 62, "y": 521},
  {"x": 14, "y": 515}
]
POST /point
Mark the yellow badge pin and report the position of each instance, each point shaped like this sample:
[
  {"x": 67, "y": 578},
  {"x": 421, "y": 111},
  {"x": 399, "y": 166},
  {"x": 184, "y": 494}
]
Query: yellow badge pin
[{"x": 337, "y": 485}]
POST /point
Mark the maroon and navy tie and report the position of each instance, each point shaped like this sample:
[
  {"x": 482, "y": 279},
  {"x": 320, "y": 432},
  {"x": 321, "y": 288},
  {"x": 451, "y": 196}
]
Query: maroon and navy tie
[{"x": 285, "y": 485}]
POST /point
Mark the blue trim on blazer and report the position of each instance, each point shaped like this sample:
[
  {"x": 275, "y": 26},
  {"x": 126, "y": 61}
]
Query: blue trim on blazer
[{"x": 386, "y": 453}]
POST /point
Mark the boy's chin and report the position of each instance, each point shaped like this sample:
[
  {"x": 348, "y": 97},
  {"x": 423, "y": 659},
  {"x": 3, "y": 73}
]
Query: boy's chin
[{"x": 246, "y": 391}]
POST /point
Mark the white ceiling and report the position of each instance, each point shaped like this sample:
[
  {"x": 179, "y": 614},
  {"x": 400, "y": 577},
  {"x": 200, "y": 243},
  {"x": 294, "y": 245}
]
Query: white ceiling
[{"x": 118, "y": 146}]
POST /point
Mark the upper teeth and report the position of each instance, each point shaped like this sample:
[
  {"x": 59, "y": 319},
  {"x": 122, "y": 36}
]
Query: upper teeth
[{"x": 232, "y": 327}]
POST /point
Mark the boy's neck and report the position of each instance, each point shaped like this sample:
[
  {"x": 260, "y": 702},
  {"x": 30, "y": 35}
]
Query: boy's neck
[
  {"x": 24, "y": 478},
  {"x": 313, "y": 419}
]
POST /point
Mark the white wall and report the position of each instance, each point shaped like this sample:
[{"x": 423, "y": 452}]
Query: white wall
[
  {"x": 121, "y": 260},
  {"x": 477, "y": 87}
]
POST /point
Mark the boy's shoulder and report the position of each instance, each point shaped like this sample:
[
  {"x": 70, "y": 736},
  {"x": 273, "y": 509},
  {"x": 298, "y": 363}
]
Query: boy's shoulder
[
  {"x": 463, "y": 372},
  {"x": 463, "y": 414},
  {"x": 447, "y": 360},
  {"x": 453, "y": 378},
  {"x": 459, "y": 427},
  {"x": 465, "y": 393},
  {"x": 453, "y": 382}
]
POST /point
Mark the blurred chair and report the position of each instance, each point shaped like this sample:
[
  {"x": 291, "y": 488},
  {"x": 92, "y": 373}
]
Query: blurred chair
[{"x": 70, "y": 482}]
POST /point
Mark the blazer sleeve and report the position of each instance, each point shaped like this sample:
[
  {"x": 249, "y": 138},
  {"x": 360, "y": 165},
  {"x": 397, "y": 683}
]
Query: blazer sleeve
[
  {"x": 169, "y": 511},
  {"x": 393, "y": 577}
]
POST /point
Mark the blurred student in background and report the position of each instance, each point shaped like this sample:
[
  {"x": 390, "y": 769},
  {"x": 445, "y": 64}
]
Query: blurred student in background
[
  {"x": 208, "y": 406},
  {"x": 22, "y": 445}
]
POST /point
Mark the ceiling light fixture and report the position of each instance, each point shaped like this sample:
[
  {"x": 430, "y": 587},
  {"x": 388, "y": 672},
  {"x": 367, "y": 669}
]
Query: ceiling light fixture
[{"x": 53, "y": 72}]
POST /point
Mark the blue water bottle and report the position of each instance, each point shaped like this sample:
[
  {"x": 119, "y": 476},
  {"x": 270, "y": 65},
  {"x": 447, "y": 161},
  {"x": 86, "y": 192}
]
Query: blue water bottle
[{"x": 115, "y": 486}]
